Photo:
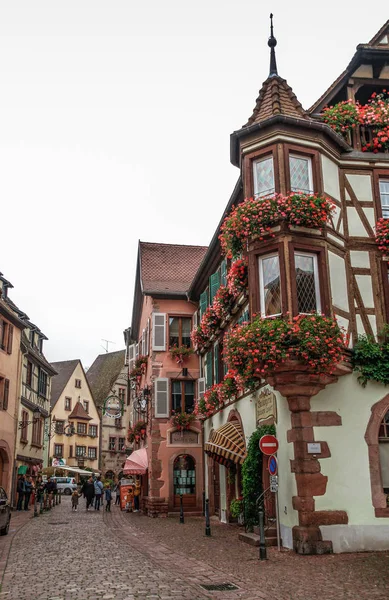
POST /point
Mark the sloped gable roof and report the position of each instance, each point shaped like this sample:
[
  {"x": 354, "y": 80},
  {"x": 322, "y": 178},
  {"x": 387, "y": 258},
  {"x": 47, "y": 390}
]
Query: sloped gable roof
[
  {"x": 64, "y": 370},
  {"x": 168, "y": 268},
  {"x": 103, "y": 373},
  {"x": 79, "y": 412},
  {"x": 374, "y": 44},
  {"x": 276, "y": 97}
]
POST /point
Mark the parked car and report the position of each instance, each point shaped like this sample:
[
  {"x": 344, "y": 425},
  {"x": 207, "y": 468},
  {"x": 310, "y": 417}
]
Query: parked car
[
  {"x": 67, "y": 485},
  {"x": 5, "y": 512}
]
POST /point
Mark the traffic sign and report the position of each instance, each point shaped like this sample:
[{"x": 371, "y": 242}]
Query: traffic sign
[
  {"x": 272, "y": 465},
  {"x": 274, "y": 483},
  {"x": 268, "y": 444}
]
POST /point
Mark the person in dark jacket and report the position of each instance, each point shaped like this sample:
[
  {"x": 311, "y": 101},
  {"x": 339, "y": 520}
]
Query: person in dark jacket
[
  {"x": 49, "y": 487},
  {"x": 88, "y": 491},
  {"x": 20, "y": 488},
  {"x": 28, "y": 487}
]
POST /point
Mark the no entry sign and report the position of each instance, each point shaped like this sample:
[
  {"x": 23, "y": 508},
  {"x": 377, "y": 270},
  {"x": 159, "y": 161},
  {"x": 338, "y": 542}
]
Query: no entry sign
[{"x": 268, "y": 444}]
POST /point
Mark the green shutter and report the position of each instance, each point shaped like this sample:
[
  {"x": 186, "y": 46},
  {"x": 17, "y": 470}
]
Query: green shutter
[
  {"x": 214, "y": 284},
  {"x": 223, "y": 272},
  {"x": 208, "y": 369},
  {"x": 203, "y": 302},
  {"x": 216, "y": 363}
]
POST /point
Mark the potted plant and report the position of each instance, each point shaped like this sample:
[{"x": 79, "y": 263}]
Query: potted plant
[{"x": 236, "y": 508}]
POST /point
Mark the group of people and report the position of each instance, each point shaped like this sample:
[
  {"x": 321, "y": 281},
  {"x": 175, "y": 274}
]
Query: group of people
[
  {"x": 26, "y": 486},
  {"x": 95, "y": 493}
]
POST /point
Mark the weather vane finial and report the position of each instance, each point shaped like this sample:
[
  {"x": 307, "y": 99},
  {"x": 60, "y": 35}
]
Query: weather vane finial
[{"x": 272, "y": 43}]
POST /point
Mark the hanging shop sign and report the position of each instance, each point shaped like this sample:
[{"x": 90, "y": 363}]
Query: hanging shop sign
[
  {"x": 58, "y": 462},
  {"x": 266, "y": 405},
  {"x": 113, "y": 407}
]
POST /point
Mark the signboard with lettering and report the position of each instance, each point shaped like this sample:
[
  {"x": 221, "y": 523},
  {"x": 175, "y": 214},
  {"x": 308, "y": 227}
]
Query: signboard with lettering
[
  {"x": 266, "y": 405},
  {"x": 184, "y": 437}
]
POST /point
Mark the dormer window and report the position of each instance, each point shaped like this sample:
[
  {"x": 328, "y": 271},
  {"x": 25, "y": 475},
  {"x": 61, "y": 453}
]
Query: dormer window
[
  {"x": 77, "y": 383},
  {"x": 263, "y": 174},
  {"x": 384, "y": 197},
  {"x": 300, "y": 168}
]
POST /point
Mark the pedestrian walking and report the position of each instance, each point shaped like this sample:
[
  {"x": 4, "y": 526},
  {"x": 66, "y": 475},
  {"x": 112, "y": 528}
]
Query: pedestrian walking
[
  {"x": 88, "y": 491},
  {"x": 75, "y": 497},
  {"x": 136, "y": 495},
  {"x": 108, "y": 498},
  {"x": 39, "y": 489},
  {"x": 98, "y": 492},
  {"x": 117, "y": 499},
  {"x": 20, "y": 488},
  {"x": 28, "y": 487},
  {"x": 49, "y": 487}
]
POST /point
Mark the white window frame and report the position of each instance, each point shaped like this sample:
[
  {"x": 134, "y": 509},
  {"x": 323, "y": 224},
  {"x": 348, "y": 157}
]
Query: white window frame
[
  {"x": 310, "y": 176},
  {"x": 316, "y": 278},
  {"x": 386, "y": 209},
  {"x": 255, "y": 180},
  {"x": 261, "y": 284}
]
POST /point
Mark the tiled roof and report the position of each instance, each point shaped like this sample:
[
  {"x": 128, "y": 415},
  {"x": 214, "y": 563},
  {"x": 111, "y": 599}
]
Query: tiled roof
[
  {"x": 276, "y": 97},
  {"x": 103, "y": 374},
  {"x": 79, "y": 412},
  {"x": 64, "y": 369},
  {"x": 168, "y": 268}
]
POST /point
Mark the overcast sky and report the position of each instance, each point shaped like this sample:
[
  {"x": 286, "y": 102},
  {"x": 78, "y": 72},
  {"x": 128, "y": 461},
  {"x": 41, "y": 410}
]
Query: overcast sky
[{"x": 114, "y": 126}]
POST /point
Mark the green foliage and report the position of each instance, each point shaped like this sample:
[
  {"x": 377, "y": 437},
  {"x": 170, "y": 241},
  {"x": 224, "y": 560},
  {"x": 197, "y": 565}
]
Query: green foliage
[
  {"x": 371, "y": 359},
  {"x": 236, "y": 507},
  {"x": 252, "y": 475}
]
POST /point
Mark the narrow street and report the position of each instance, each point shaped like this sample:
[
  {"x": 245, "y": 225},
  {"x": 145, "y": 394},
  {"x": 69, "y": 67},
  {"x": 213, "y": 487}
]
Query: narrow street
[{"x": 102, "y": 556}]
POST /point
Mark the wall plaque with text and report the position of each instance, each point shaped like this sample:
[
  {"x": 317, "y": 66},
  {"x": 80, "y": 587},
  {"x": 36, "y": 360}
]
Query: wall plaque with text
[
  {"x": 265, "y": 405},
  {"x": 184, "y": 437}
]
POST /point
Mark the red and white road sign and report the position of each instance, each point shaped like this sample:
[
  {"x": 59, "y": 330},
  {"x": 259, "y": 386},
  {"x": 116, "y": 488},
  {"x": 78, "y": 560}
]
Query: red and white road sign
[{"x": 268, "y": 444}]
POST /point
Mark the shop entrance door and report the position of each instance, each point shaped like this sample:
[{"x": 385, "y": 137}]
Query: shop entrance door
[{"x": 184, "y": 481}]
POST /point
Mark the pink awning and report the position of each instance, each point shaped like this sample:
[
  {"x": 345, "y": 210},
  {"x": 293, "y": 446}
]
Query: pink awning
[{"x": 136, "y": 463}]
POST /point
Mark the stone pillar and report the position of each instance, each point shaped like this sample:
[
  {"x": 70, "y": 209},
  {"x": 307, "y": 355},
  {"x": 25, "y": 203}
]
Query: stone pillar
[{"x": 298, "y": 384}]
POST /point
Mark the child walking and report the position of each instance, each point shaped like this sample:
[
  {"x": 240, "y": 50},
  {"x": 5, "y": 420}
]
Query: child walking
[
  {"x": 108, "y": 498},
  {"x": 75, "y": 497}
]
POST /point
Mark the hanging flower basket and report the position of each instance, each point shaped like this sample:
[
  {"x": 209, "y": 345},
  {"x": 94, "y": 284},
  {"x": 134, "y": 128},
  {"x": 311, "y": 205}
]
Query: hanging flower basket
[
  {"x": 139, "y": 368},
  {"x": 237, "y": 278},
  {"x": 180, "y": 353},
  {"x": 182, "y": 420}
]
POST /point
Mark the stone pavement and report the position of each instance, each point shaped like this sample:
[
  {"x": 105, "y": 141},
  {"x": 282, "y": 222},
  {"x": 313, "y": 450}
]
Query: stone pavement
[
  {"x": 18, "y": 520},
  {"x": 285, "y": 576},
  {"x": 119, "y": 556},
  {"x": 84, "y": 556}
]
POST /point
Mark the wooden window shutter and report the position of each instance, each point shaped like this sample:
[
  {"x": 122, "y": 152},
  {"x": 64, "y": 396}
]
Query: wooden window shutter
[
  {"x": 159, "y": 332},
  {"x": 147, "y": 337},
  {"x": 208, "y": 369},
  {"x": 214, "y": 284},
  {"x": 201, "y": 387},
  {"x": 195, "y": 320},
  {"x": 203, "y": 302},
  {"x": 136, "y": 350},
  {"x": 131, "y": 357},
  {"x": 216, "y": 363},
  {"x": 161, "y": 397},
  {"x": 6, "y": 394},
  {"x": 10, "y": 336},
  {"x": 223, "y": 272},
  {"x": 144, "y": 342}
]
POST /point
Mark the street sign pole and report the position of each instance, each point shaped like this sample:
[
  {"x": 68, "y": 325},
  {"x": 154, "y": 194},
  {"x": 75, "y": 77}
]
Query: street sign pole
[{"x": 278, "y": 523}]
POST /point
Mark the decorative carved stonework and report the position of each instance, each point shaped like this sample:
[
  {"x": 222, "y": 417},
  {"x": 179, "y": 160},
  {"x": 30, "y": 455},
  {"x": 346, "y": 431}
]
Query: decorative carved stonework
[{"x": 183, "y": 438}]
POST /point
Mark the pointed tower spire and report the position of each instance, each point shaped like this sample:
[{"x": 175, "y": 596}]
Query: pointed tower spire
[{"x": 272, "y": 43}]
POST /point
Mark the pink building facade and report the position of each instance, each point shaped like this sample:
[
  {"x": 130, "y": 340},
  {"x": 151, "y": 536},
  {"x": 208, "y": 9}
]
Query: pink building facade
[{"x": 165, "y": 379}]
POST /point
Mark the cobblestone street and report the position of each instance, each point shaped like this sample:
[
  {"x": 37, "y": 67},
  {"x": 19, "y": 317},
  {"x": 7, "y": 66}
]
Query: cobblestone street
[{"x": 97, "y": 555}]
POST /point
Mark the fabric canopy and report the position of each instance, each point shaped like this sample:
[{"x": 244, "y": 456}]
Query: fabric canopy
[
  {"x": 227, "y": 444},
  {"x": 136, "y": 463}
]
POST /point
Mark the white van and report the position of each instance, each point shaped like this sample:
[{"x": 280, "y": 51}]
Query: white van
[{"x": 67, "y": 485}]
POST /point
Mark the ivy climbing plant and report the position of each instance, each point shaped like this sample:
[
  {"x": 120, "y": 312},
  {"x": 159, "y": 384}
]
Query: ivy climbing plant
[
  {"x": 252, "y": 475},
  {"x": 371, "y": 359}
]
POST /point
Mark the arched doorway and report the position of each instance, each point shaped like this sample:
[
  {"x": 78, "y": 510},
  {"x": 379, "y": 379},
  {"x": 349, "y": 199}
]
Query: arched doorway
[
  {"x": 184, "y": 481},
  {"x": 383, "y": 443},
  {"x": 4, "y": 469}
]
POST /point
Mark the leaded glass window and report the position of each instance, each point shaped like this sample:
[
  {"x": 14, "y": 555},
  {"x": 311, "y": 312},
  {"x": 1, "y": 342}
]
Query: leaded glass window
[
  {"x": 384, "y": 195},
  {"x": 307, "y": 283},
  {"x": 300, "y": 174},
  {"x": 270, "y": 285},
  {"x": 264, "y": 177}
]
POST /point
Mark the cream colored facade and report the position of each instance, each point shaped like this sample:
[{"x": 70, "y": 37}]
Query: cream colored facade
[{"x": 81, "y": 449}]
